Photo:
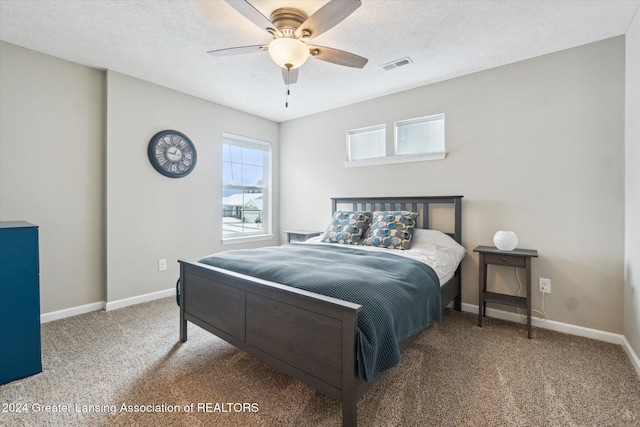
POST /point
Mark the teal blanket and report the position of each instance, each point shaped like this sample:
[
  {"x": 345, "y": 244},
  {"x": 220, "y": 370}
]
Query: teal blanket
[{"x": 400, "y": 296}]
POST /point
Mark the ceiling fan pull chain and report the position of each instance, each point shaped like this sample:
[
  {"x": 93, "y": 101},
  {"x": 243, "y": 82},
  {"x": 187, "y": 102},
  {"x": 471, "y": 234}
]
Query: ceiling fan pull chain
[{"x": 286, "y": 97}]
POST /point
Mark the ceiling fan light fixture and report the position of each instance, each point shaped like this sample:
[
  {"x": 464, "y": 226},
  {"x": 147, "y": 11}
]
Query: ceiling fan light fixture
[{"x": 288, "y": 52}]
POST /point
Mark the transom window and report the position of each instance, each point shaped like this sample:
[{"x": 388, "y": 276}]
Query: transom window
[
  {"x": 366, "y": 143},
  {"x": 246, "y": 165},
  {"x": 424, "y": 135},
  {"x": 414, "y": 140}
]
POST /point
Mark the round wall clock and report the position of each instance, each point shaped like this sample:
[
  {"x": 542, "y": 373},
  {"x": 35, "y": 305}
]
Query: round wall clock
[{"x": 172, "y": 153}]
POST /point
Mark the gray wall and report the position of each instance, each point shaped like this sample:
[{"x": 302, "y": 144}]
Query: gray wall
[
  {"x": 536, "y": 147},
  {"x": 73, "y": 160},
  {"x": 632, "y": 188},
  {"x": 51, "y": 140},
  {"x": 150, "y": 216}
]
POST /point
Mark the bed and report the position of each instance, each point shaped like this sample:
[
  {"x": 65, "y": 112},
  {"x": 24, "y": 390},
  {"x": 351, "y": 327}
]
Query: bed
[{"x": 317, "y": 337}]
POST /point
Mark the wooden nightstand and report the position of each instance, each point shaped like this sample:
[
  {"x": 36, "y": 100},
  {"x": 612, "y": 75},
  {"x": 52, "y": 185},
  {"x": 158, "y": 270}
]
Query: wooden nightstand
[
  {"x": 301, "y": 235},
  {"x": 520, "y": 258}
]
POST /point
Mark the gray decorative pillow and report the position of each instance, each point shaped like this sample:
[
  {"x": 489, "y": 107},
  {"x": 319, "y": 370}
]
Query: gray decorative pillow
[
  {"x": 391, "y": 229},
  {"x": 347, "y": 227}
]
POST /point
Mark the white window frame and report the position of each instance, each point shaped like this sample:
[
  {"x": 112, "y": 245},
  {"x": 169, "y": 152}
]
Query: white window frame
[
  {"x": 265, "y": 233},
  {"x": 394, "y": 158},
  {"x": 374, "y": 131},
  {"x": 429, "y": 155}
]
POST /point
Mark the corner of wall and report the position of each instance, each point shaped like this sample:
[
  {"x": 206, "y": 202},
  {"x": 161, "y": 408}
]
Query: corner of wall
[{"x": 632, "y": 186}]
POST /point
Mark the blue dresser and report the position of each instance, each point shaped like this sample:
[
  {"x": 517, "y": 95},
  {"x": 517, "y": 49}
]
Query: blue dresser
[{"x": 19, "y": 301}]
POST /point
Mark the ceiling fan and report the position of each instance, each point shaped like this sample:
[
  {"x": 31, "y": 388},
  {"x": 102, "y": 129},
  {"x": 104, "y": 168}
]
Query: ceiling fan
[{"x": 291, "y": 29}]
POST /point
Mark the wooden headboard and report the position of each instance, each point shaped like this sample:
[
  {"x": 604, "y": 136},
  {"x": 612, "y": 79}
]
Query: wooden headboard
[{"x": 413, "y": 204}]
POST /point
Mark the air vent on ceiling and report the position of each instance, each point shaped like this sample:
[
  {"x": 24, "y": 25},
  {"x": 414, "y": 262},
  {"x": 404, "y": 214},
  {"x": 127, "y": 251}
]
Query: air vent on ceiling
[{"x": 397, "y": 63}]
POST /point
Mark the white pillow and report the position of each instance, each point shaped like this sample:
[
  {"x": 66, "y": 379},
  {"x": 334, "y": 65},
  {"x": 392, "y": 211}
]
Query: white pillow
[{"x": 424, "y": 239}]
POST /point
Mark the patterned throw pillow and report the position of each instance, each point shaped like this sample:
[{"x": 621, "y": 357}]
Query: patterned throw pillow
[
  {"x": 347, "y": 227},
  {"x": 391, "y": 229}
]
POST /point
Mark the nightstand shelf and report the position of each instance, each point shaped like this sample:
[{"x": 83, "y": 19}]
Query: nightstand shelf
[
  {"x": 518, "y": 258},
  {"x": 505, "y": 299}
]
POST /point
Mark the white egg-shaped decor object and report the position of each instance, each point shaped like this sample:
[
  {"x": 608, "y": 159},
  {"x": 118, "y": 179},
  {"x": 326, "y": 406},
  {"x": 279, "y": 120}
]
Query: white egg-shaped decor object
[{"x": 505, "y": 240}]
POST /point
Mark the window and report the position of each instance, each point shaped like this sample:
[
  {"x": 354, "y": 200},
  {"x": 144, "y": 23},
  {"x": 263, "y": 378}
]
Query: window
[
  {"x": 246, "y": 177},
  {"x": 366, "y": 143},
  {"x": 422, "y": 136},
  {"x": 415, "y": 140}
]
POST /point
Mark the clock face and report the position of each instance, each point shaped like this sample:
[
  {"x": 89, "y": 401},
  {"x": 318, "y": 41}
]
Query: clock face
[{"x": 172, "y": 154}]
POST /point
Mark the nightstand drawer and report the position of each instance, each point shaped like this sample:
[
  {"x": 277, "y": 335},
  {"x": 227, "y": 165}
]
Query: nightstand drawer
[
  {"x": 510, "y": 260},
  {"x": 296, "y": 237},
  {"x": 301, "y": 235}
]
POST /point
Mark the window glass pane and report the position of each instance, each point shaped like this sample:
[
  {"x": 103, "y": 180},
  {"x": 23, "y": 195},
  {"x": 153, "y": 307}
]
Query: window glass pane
[
  {"x": 231, "y": 204},
  {"x": 232, "y": 153},
  {"x": 252, "y": 212},
  {"x": 252, "y": 176},
  {"x": 253, "y": 157},
  {"x": 243, "y": 211},
  {"x": 244, "y": 167},
  {"x": 231, "y": 173},
  {"x": 367, "y": 143},
  {"x": 226, "y": 153},
  {"x": 420, "y": 136}
]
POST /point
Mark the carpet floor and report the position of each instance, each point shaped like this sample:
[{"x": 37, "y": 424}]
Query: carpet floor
[{"x": 127, "y": 368}]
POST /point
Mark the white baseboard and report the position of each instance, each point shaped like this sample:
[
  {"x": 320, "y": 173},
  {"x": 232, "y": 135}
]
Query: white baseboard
[
  {"x": 114, "y": 305},
  {"x": 635, "y": 360},
  {"x": 73, "y": 311},
  {"x": 102, "y": 305},
  {"x": 567, "y": 328}
]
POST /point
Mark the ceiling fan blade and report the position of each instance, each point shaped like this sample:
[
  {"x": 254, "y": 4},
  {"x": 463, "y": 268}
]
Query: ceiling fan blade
[
  {"x": 336, "y": 56},
  {"x": 252, "y": 14},
  {"x": 290, "y": 76},
  {"x": 327, "y": 17},
  {"x": 240, "y": 50}
]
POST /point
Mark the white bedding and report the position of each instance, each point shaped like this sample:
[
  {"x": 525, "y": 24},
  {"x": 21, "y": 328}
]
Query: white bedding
[{"x": 432, "y": 247}]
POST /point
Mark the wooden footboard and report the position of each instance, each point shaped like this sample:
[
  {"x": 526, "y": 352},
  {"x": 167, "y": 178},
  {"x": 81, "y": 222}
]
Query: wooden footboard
[{"x": 308, "y": 336}]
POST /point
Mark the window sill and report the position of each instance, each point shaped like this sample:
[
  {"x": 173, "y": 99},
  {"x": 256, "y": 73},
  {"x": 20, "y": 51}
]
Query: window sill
[
  {"x": 246, "y": 239},
  {"x": 394, "y": 160}
]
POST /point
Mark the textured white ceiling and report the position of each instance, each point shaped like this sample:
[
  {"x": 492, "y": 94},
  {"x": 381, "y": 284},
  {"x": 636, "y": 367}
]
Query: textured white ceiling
[{"x": 165, "y": 42}]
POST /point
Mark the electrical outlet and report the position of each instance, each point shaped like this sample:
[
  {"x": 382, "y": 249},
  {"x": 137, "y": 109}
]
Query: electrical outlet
[
  {"x": 162, "y": 264},
  {"x": 544, "y": 285}
]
